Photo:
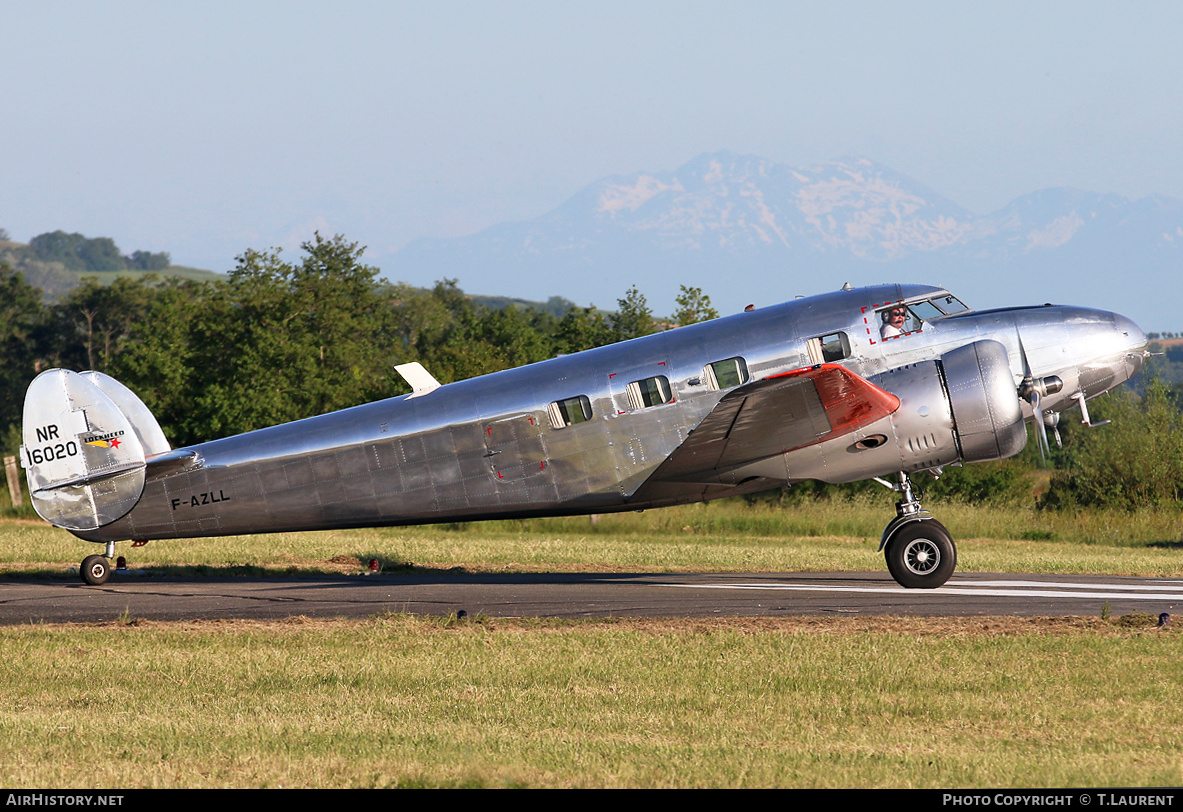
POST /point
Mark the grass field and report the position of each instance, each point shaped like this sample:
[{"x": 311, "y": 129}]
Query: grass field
[
  {"x": 409, "y": 701},
  {"x": 401, "y": 701}
]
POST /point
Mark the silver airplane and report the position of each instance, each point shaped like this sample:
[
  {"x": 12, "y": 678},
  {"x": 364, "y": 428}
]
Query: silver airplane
[{"x": 872, "y": 383}]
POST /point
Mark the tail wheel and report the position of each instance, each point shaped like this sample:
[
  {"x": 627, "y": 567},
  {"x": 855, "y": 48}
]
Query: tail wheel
[
  {"x": 921, "y": 555},
  {"x": 96, "y": 569}
]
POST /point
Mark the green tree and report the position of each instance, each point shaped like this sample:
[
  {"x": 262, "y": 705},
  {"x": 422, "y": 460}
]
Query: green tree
[
  {"x": 57, "y": 246},
  {"x": 158, "y": 358},
  {"x": 633, "y": 318},
  {"x": 277, "y": 342},
  {"x": 1134, "y": 462},
  {"x": 582, "y": 328},
  {"x": 23, "y": 319},
  {"x": 456, "y": 339},
  {"x": 100, "y": 255},
  {"x": 693, "y": 306},
  {"x": 95, "y": 321},
  {"x": 146, "y": 261}
]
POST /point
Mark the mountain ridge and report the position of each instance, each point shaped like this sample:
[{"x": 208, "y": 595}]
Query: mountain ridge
[{"x": 744, "y": 228}]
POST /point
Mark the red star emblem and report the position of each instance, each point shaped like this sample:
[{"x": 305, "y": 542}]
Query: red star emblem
[{"x": 115, "y": 443}]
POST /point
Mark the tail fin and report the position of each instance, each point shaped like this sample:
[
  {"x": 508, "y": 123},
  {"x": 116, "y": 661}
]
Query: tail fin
[{"x": 85, "y": 439}]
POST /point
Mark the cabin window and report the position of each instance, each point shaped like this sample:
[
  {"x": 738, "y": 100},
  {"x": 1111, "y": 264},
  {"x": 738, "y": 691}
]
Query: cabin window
[
  {"x": 570, "y": 411},
  {"x": 828, "y": 349},
  {"x": 726, "y": 374},
  {"x": 650, "y": 392}
]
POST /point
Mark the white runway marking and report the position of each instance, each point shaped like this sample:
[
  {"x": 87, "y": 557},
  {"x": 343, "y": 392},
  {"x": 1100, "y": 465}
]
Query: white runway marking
[{"x": 1005, "y": 589}]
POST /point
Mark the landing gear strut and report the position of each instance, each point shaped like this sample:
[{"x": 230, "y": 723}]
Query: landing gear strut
[
  {"x": 96, "y": 569},
  {"x": 919, "y": 550}
]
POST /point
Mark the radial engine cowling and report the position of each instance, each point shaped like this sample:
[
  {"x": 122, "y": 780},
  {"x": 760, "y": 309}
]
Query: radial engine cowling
[
  {"x": 964, "y": 406},
  {"x": 986, "y": 408}
]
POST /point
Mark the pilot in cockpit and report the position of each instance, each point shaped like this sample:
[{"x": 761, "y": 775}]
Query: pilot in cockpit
[{"x": 893, "y": 322}]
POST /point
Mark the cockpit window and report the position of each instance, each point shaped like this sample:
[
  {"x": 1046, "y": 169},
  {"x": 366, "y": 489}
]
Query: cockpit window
[
  {"x": 900, "y": 319},
  {"x": 949, "y": 304},
  {"x": 926, "y": 311},
  {"x": 897, "y": 320}
]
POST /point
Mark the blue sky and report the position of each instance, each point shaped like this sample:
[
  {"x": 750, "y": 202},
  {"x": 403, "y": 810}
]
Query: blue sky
[{"x": 204, "y": 129}]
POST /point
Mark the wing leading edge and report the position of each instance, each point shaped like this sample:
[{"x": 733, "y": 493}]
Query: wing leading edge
[{"x": 774, "y": 416}]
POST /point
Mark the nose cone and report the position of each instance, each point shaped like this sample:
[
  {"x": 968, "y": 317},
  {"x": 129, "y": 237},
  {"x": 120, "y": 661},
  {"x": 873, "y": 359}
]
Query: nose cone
[
  {"x": 1133, "y": 341},
  {"x": 1091, "y": 351}
]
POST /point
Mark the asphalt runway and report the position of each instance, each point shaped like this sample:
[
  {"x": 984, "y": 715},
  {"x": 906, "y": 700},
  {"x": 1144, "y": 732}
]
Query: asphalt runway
[{"x": 577, "y": 595}]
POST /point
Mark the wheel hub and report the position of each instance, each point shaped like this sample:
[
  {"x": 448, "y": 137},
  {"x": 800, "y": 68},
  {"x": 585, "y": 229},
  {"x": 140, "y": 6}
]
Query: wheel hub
[{"x": 922, "y": 556}]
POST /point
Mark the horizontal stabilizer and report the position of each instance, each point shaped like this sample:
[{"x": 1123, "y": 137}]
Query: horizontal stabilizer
[
  {"x": 171, "y": 463},
  {"x": 83, "y": 456}
]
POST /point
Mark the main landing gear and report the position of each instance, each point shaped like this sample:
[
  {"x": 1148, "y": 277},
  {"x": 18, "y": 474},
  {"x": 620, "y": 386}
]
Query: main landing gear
[{"x": 919, "y": 550}]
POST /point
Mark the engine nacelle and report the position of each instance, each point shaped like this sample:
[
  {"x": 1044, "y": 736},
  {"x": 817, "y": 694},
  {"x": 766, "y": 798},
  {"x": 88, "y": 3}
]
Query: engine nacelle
[
  {"x": 964, "y": 406},
  {"x": 987, "y": 412},
  {"x": 922, "y": 432}
]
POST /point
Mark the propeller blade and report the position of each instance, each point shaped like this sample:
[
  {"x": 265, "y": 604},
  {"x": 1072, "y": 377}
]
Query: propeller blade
[
  {"x": 1030, "y": 389},
  {"x": 1028, "y": 392},
  {"x": 1027, "y": 376},
  {"x": 1040, "y": 428}
]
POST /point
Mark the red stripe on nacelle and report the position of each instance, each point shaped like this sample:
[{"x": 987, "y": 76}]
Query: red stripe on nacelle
[{"x": 850, "y": 401}]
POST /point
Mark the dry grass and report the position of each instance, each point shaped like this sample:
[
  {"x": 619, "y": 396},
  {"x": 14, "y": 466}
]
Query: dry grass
[{"x": 401, "y": 701}]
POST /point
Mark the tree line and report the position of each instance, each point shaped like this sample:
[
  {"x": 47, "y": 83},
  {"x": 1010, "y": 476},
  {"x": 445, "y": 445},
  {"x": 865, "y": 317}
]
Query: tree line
[{"x": 279, "y": 340}]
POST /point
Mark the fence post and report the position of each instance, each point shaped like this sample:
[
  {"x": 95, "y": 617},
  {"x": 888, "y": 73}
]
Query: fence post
[{"x": 14, "y": 480}]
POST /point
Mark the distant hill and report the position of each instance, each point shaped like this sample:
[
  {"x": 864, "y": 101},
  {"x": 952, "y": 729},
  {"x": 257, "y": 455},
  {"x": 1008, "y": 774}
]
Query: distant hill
[
  {"x": 55, "y": 279},
  {"x": 58, "y": 274},
  {"x": 555, "y": 305}
]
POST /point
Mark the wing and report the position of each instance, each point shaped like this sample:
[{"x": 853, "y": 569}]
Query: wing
[{"x": 774, "y": 416}]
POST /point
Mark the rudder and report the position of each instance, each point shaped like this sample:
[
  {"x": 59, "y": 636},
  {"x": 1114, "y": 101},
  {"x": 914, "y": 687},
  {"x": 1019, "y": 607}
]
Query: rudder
[{"x": 85, "y": 439}]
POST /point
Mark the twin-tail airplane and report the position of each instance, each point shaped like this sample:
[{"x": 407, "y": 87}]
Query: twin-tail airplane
[{"x": 873, "y": 383}]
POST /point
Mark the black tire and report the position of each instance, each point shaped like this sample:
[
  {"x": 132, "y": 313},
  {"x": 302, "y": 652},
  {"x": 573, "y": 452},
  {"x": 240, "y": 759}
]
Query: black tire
[
  {"x": 921, "y": 555},
  {"x": 96, "y": 569}
]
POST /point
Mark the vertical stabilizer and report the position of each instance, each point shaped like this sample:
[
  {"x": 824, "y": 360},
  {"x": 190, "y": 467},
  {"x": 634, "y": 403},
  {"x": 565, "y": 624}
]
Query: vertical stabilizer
[
  {"x": 83, "y": 456},
  {"x": 142, "y": 421}
]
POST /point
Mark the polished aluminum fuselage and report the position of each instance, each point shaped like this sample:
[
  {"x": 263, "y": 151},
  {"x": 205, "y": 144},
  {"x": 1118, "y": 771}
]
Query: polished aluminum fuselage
[{"x": 487, "y": 448}]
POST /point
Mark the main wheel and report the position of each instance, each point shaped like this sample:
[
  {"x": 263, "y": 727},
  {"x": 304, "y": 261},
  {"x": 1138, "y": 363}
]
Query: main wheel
[
  {"x": 96, "y": 569},
  {"x": 921, "y": 555}
]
